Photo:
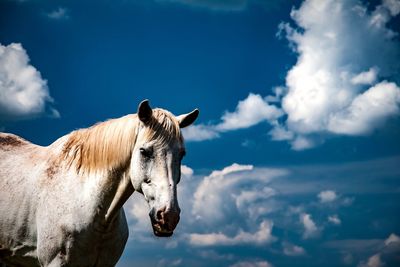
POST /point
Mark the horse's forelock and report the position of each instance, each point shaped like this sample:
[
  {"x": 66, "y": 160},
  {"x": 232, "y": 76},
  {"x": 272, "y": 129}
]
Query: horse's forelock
[{"x": 163, "y": 127}]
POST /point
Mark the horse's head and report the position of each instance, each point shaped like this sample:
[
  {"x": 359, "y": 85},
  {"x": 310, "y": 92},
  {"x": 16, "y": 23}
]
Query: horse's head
[{"x": 156, "y": 161}]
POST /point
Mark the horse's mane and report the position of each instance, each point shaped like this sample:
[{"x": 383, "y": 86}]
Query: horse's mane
[{"x": 108, "y": 145}]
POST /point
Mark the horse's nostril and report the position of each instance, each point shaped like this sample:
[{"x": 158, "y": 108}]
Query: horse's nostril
[
  {"x": 160, "y": 216},
  {"x": 166, "y": 219}
]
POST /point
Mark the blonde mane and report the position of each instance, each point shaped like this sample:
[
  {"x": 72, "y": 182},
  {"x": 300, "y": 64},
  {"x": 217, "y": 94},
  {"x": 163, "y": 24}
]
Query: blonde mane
[{"x": 108, "y": 145}]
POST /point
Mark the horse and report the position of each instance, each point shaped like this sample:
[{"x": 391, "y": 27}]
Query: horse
[{"x": 61, "y": 205}]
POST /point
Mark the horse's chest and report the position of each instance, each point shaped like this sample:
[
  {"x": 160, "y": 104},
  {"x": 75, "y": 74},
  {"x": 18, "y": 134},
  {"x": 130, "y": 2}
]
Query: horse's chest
[{"x": 85, "y": 245}]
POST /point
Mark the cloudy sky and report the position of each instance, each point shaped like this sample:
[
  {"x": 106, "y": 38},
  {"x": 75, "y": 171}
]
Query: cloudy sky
[{"x": 294, "y": 160}]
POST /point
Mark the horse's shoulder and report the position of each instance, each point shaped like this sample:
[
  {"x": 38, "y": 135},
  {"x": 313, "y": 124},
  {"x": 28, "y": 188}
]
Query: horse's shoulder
[{"x": 8, "y": 140}]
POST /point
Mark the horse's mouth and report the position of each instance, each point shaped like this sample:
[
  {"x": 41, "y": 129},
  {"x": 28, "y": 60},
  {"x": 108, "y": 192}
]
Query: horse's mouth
[
  {"x": 158, "y": 231},
  {"x": 163, "y": 234}
]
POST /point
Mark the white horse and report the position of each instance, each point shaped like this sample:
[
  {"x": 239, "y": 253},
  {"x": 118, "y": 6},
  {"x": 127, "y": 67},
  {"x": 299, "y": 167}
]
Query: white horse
[{"x": 61, "y": 205}]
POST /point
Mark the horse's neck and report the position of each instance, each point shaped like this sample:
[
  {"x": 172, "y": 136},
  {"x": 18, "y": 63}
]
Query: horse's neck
[
  {"x": 124, "y": 190},
  {"x": 109, "y": 193},
  {"x": 107, "y": 190}
]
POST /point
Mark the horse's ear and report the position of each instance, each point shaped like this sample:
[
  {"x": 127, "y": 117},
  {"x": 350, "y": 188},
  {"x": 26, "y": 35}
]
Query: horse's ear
[
  {"x": 144, "y": 111},
  {"x": 187, "y": 119}
]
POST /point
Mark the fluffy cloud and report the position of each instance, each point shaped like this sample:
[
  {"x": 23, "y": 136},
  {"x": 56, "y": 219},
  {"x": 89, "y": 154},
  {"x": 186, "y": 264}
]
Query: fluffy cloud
[
  {"x": 251, "y": 111},
  {"x": 23, "y": 92},
  {"x": 343, "y": 52},
  {"x": 367, "y": 111},
  {"x": 200, "y": 132},
  {"x": 392, "y": 239},
  {"x": 212, "y": 192},
  {"x": 247, "y": 197},
  {"x": 393, "y": 6},
  {"x": 310, "y": 229},
  {"x": 139, "y": 221},
  {"x": 262, "y": 236},
  {"x": 373, "y": 261},
  {"x": 292, "y": 250},
  {"x": 301, "y": 143},
  {"x": 367, "y": 77},
  {"x": 327, "y": 196},
  {"x": 334, "y": 219},
  {"x": 186, "y": 171}
]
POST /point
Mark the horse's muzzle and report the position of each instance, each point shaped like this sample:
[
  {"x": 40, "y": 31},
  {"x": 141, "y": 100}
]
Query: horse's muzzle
[{"x": 164, "y": 222}]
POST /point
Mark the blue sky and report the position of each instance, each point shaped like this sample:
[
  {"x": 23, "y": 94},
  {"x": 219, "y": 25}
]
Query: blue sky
[{"x": 294, "y": 158}]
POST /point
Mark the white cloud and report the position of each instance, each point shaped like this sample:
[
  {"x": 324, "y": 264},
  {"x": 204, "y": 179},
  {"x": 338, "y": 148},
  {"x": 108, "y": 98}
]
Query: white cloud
[
  {"x": 200, "y": 132},
  {"x": 367, "y": 111},
  {"x": 210, "y": 193},
  {"x": 213, "y": 192},
  {"x": 23, "y": 91},
  {"x": 327, "y": 196},
  {"x": 292, "y": 250},
  {"x": 230, "y": 203},
  {"x": 365, "y": 77},
  {"x": 334, "y": 219},
  {"x": 262, "y": 236},
  {"x": 373, "y": 261},
  {"x": 59, "y": 13},
  {"x": 186, "y": 171},
  {"x": 393, "y": 6},
  {"x": 247, "y": 197},
  {"x": 252, "y": 264},
  {"x": 137, "y": 211},
  {"x": 301, "y": 143},
  {"x": 341, "y": 46},
  {"x": 250, "y": 111},
  {"x": 256, "y": 202},
  {"x": 392, "y": 239},
  {"x": 231, "y": 169},
  {"x": 279, "y": 133},
  {"x": 310, "y": 229}
]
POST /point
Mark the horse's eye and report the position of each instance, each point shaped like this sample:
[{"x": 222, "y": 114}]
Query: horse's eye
[
  {"x": 148, "y": 153},
  {"x": 147, "y": 180}
]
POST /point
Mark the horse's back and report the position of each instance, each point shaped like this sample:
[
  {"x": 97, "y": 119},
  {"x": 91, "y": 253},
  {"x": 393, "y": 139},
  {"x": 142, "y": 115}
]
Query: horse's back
[
  {"x": 11, "y": 140},
  {"x": 13, "y": 147},
  {"x": 18, "y": 198},
  {"x": 19, "y": 160}
]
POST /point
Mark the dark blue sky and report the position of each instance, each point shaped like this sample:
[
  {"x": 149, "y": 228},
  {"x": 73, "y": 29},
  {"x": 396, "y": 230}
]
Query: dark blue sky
[{"x": 101, "y": 58}]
